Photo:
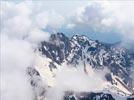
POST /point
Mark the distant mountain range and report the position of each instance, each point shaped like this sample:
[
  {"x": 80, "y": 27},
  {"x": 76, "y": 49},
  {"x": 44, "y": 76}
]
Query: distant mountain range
[{"x": 80, "y": 50}]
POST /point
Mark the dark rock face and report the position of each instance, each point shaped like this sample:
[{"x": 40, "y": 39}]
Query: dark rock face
[
  {"x": 131, "y": 97},
  {"x": 88, "y": 96},
  {"x": 57, "y": 48},
  {"x": 31, "y": 72},
  {"x": 36, "y": 82}
]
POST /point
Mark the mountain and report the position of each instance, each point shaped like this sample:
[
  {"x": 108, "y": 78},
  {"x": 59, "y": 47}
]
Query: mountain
[{"x": 78, "y": 51}]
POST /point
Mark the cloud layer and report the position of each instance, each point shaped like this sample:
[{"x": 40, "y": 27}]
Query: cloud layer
[
  {"x": 105, "y": 17},
  {"x": 25, "y": 24},
  {"x": 73, "y": 79},
  {"x": 16, "y": 55},
  {"x": 22, "y": 28}
]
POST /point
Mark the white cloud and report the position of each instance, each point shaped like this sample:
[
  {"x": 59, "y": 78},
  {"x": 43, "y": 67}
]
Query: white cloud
[
  {"x": 69, "y": 78},
  {"x": 106, "y": 16},
  {"x": 15, "y": 21},
  {"x": 122, "y": 14},
  {"x": 89, "y": 17},
  {"x": 22, "y": 28},
  {"x": 42, "y": 20},
  {"x": 78, "y": 80},
  {"x": 16, "y": 56},
  {"x": 36, "y": 35},
  {"x": 70, "y": 26},
  {"x": 50, "y": 19},
  {"x": 18, "y": 20}
]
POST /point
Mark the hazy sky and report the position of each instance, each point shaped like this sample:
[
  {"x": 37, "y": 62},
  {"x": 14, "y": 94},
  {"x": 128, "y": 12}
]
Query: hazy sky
[{"x": 108, "y": 21}]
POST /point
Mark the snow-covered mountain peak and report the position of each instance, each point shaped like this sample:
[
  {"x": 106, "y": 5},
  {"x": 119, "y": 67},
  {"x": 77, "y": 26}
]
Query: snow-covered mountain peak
[{"x": 80, "y": 52}]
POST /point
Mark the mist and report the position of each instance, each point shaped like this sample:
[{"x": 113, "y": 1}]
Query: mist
[
  {"x": 16, "y": 56},
  {"x": 19, "y": 38},
  {"x": 70, "y": 78}
]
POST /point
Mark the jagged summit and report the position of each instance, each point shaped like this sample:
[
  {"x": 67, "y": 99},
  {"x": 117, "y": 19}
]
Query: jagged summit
[{"x": 79, "y": 48}]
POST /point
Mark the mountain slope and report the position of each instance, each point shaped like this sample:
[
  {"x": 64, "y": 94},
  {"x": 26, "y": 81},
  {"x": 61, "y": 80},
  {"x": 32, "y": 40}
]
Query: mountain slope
[{"x": 78, "y": 51}]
